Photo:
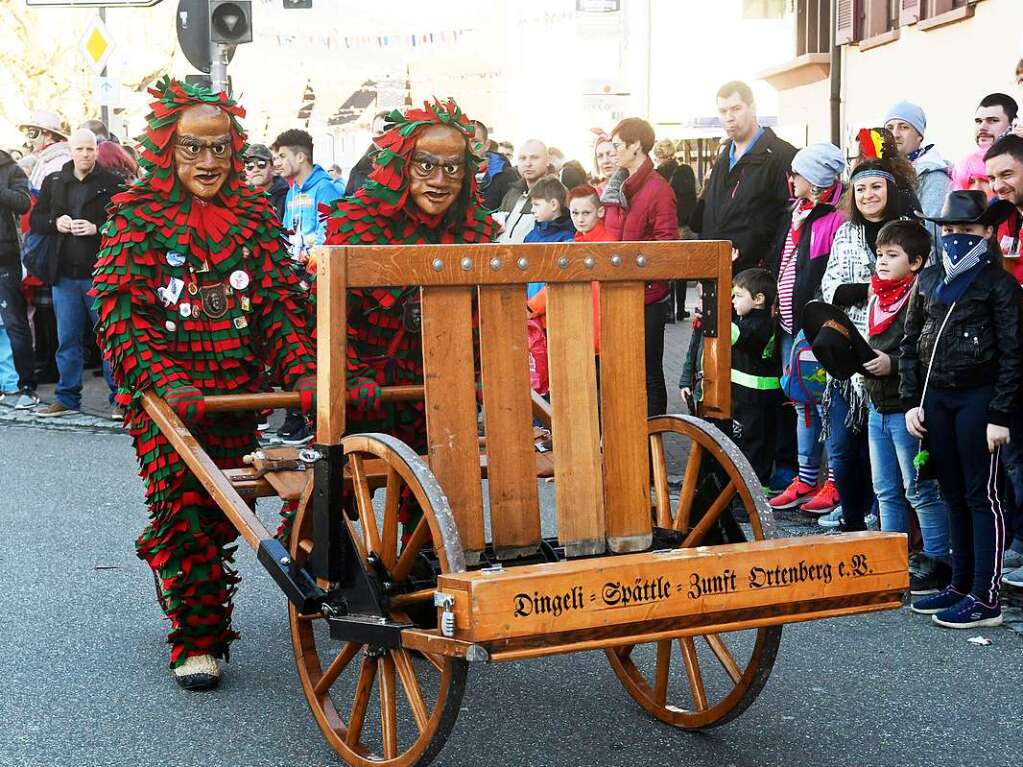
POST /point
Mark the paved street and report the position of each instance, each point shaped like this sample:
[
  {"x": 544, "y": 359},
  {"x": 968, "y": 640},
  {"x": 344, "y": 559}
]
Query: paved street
[{"x": 84, "y": 682}]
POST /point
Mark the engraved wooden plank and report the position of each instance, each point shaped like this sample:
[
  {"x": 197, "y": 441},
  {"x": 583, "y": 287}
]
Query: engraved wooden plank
[
  {"x": 717, "y": 352},
  {"x": 508, "y": 421},
  {"x": 450, "y": 393},
  {"x": 578, "y": 473},
  {"x": 375, "y": 265},
  {"x": 332, "y": 333},
  {"x": 735, "y": 582},
  {"x": 623, "y": 412}
]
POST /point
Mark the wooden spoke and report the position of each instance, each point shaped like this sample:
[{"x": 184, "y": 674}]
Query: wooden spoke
[
  {"x": 697, "y": 533},
  {"x": 363, "y": 689},
  {"x": 364, "y": 502},
  {"x": 375, "y": 460},
  {"x": 360, "y": 546},
  {"x": 339, "y": 664},
  {"x": 410, "y": 684},
  {"x": 692, "y": 662},
  {"x": 660, "y": 470},
  {"x": 389, "y": 541},
  {"x": 388, "y": 708},
  {"x": 715, "y": 476},
  {"x": 401, "y": 601},
  {"x": 724, "y": 657},
  {"x": 688, "y": 493},
  {"x": 408, "y": 555},
  {"x": 663, "y": 666}
]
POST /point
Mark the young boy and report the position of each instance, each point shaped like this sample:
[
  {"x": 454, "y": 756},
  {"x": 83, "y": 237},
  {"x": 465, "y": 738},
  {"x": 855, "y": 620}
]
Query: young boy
[
  {"x": 588, "y": 217},
  {"x": 756, "y": 388},
  {"x": 902, "y": 250},
  {"x": 553, "y": 224}
]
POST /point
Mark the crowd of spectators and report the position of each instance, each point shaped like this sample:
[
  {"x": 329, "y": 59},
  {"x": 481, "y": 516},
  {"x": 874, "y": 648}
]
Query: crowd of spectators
[{"x": 877, "y": 316}]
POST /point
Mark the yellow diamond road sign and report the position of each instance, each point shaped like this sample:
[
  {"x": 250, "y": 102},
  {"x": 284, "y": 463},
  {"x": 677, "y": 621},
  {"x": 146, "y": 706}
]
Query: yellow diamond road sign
[{"x": 97, "y": 44}]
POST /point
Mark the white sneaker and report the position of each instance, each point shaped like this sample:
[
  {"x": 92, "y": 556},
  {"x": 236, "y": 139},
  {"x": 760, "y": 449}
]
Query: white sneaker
[
  {"x": 198, "y": 672},
  {"x": 28, "y": 400},
  {"x": 831, "y": 519}
]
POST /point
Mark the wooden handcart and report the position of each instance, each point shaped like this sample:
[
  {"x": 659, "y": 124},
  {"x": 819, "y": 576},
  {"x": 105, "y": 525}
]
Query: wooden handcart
[{"x": 686, "y": 597}]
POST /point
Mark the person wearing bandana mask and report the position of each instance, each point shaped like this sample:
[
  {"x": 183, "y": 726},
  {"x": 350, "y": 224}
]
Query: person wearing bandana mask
[
  {"x": 961, "y": 370},
  {"x": 422, "y": 190},
  {"x": 196, "y": 296}
]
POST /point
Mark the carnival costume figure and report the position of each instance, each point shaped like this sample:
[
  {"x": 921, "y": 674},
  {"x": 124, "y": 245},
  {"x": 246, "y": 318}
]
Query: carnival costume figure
[
  {"x": 196, "y": 296},
  {"x": 422, "y": 190}
]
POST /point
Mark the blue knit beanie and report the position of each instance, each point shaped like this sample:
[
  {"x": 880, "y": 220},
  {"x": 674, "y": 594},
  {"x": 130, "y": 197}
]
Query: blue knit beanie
[
  {"x": 910, "y": 113},
  {"x": 820, "y": 164}
]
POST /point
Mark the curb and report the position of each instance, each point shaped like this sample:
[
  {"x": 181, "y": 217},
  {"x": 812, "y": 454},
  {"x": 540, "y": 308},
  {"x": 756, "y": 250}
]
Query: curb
[{"x": 82, "y": 422}]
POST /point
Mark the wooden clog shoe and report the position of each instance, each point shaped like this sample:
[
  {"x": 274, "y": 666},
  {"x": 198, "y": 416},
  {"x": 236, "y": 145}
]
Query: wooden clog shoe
[{"x": 198, "y": 672}]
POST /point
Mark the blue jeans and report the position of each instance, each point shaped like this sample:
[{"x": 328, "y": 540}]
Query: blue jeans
[
  {"x": 808, "y": 429},
  {"x": 75, "y": 317},
  {"x": 892, "y": 449},
  {"x": 849, "y": 453},
  {"x": 8, "y": 375}
]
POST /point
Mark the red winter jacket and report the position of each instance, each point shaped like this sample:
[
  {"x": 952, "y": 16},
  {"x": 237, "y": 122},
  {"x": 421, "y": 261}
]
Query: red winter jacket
[{"x": 650, "y": 215}]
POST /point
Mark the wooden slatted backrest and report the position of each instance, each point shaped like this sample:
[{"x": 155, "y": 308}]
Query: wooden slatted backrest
[{"x": 600, "y": 449}]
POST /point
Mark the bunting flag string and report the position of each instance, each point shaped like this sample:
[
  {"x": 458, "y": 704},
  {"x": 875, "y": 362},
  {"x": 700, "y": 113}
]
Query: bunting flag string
[{"x": 356, "y": 42}]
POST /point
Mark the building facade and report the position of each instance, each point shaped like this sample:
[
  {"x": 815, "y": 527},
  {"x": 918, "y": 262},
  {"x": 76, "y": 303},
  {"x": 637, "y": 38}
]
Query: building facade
[{"x": 944, "y": 55}]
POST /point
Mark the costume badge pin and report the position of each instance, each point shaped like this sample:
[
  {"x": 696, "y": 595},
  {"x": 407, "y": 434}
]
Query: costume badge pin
[
  {"x": 185, "y": 310},
  {"x": 193, "y": 289},
  {"x": 173, "y": 290},
  {"x": 239, "y": 279},
  {"x": 245, "y": 303},
  {"x": 240, "y": 322},
  {"x": 214, "y": 300},
  {"x": 171, "y": 325},
  {"x": 175, "y": 259}
]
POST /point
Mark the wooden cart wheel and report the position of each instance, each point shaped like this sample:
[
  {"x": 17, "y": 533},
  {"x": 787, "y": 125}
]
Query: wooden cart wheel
[
  {"x": 714, "y": 677},
  {"x": 417, "y": 696}
]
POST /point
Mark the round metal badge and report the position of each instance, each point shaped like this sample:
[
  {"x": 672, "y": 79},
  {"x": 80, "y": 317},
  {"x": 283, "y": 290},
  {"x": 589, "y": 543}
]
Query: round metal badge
[
  {"x": 170, "y": 325},
  {"x": 175, "y": 259},
  {"x": 239, "y": 280}
]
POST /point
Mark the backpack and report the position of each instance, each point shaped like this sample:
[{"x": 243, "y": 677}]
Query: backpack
[{"x": 804, "y": 378}]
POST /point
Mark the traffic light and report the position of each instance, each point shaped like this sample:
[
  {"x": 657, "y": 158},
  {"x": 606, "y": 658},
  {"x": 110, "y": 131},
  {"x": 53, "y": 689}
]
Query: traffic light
[
  {"x": 193, "y": 27},
  {"x": 231, "y": 21}
]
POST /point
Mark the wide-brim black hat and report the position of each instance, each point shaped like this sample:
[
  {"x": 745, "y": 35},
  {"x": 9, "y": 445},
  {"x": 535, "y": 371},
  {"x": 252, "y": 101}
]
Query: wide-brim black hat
[
  {"x": 836, "y": 342},
  {"x": 971, "y": 207}
]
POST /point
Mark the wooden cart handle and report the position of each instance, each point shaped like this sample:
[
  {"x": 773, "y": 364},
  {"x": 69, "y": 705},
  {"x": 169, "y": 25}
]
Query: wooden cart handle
[{"x": 221, "y": 403}]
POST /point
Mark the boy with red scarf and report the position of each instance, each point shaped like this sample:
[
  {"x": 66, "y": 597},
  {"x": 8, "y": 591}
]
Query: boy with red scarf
[{"x": 902, "y": 250}]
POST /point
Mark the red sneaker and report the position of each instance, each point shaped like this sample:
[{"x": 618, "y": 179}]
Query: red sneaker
[
  {"x": 825, "y": 500},
  {"x": 797, "y": 492}
]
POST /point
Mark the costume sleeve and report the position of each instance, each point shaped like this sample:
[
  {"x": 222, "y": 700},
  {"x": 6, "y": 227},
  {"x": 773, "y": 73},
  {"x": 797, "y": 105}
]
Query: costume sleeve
[
  {"x": 665, "y": 216},
  {"x": 909, "y": 358},
  {"x": 16, "y": 196},
  {"x": 283, "y": 312},
  {"x": 43, "y": 218},
  {"x": 1006, "y": 301},
  {"x": 129, "y": 331},
  {"x": 837, "y": 271}
]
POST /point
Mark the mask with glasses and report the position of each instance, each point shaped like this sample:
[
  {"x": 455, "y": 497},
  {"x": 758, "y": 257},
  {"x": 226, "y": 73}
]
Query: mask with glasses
[
  {"x": 256, "y": 164},
  {"x": 425, "y": 165},
  {"x": 191, "y": 148}
]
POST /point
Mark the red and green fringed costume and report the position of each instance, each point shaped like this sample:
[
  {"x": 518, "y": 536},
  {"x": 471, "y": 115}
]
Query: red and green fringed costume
[
  {"x": 196, "y": 298},
  {"x": 382, "y": 349}
]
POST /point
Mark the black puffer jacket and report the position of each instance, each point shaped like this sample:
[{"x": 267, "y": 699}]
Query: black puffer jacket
[
  {"x": 979, "y": 346},
  {"x": 15, "y": 199}
]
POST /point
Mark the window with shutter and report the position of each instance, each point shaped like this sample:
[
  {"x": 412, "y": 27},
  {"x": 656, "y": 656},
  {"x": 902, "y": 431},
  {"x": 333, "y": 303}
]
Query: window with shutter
[
  {"x": 847, "y": 21},
  {"x": 909, "y": 12}
]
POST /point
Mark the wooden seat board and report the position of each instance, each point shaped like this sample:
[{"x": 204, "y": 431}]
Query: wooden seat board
[
  {"x": 450, "y": 394},
  {"x": 508, "y": 421},
  {"x": 578, "y": 471},
  {"x": 623, "y": 412}
]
